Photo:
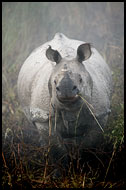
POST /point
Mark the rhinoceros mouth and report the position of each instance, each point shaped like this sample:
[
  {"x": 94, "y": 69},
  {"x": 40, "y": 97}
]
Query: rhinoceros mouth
[{"x": 68, "y": 99}]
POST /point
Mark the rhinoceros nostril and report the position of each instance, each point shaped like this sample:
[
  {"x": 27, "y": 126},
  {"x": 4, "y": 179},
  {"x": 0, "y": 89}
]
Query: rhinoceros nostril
[
  {"x": 75, "y": 90},
  {"x": 74, "y": 87},
  {"x": 57, "y": 88}
]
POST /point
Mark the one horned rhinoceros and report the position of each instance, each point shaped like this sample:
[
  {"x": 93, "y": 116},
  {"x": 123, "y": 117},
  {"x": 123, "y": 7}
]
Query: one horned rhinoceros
[{"x": 64, "y": 88}]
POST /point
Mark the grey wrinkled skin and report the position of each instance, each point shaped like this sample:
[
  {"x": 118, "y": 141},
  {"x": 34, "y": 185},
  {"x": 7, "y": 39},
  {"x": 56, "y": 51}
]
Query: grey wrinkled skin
[{"x": 50, "y": 84}]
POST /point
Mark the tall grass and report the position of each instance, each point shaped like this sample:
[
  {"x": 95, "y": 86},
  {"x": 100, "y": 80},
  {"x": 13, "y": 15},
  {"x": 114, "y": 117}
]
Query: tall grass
[{"x": 27, "y": 25}]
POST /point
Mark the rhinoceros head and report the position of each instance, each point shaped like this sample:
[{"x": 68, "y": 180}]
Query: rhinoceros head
[{"x": 69, "y": 77}]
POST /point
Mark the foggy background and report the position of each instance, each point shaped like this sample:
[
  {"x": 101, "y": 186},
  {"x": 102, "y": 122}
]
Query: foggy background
[{"x": 27, "y": 25}]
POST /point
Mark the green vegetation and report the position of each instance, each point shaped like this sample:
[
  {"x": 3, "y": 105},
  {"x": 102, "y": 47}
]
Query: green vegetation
[{"x": 26, "y": 26}]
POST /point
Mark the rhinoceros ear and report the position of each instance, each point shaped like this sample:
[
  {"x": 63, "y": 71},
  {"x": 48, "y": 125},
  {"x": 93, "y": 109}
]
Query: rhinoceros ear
[
  {"x": 83, "y": 52},
  {"x": 53, "y": 55}
]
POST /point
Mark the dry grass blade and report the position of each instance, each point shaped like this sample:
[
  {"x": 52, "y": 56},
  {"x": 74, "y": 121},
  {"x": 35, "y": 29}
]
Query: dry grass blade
[
  {"x": 78, "y": 117},
  {"x": 85, "y": 101},
  {"x": 89, "y": 105},
  {"x": 83, "y": 184},
  {"x": 8, "y": 174},
  {"x": 50, "y": 124},
  {"x": 4, "y": 160},
  {"x": 114, "y": 149},
  {"x": 55, "y": 120}
]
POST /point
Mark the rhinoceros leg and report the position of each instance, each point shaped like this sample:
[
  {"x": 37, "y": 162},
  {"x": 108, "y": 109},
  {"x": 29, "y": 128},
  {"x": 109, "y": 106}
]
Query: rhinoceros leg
[{"x": 57, "y": 152}]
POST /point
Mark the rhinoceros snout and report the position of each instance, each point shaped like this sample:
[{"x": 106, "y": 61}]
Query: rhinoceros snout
[{"x": 67, "y": 91}]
